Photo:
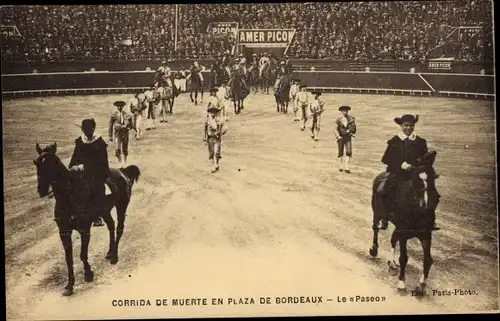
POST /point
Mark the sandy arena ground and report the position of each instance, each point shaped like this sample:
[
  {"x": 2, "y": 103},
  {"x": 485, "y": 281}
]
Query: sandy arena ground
[{"x": 278, "y": 219}]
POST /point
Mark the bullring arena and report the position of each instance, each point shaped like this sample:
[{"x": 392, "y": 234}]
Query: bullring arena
[
  {"x": 277, "y": 214},
  {"x": 277, "y": 220}
]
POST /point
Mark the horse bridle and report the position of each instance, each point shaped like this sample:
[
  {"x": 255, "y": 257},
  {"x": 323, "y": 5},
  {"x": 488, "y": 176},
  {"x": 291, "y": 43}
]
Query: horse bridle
[{"x": 50, "y": 193}]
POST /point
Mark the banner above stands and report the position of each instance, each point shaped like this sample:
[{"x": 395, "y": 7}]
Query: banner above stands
[
  {"x": 10, "y": 32},
  {"x": 271, "y": 40},
  {"x": 223, "y": 27}
]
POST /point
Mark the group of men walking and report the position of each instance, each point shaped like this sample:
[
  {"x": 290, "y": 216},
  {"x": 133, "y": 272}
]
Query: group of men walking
[{"x": 403, "y": 153}]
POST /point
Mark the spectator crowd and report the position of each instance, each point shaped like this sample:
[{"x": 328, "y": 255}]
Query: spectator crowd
[{"x": 335, "y": 30}]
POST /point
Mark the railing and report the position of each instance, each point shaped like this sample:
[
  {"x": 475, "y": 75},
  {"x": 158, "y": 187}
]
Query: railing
[
  {"x": 464, "y": 67},
  {"x": 403, "y": 83}
]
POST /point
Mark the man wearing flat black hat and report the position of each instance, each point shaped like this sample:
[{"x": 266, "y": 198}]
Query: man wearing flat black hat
[
  {"x": 91, "y": 156},
  {"x": 294, "y": 89},
  {"x": 302, "y": 100},
  {"x": 119, "y": 124},
  {"x": 404, "y": 152},
  {"x": 215, "y": 127},
  {"x": 345, "y": 129},
  {"x": 317, "y": 108}
]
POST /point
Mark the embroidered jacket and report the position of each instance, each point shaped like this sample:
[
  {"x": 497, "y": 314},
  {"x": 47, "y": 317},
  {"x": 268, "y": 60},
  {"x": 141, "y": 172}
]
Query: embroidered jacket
[
  {"x": 119, "y": 120},
  {"x": 317, "y": 107},
  {"x": 345, "y": 126}
]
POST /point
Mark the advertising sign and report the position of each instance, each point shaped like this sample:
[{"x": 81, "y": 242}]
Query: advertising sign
[
  {"x": 265, "y": 37},
  {"x": 440, "y": 64},
  {"x": 223, "y": 27}
]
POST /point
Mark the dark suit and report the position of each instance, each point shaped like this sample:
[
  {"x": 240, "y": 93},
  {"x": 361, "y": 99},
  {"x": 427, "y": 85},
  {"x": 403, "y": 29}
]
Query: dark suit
[
  {"x": 398, "y": 152},
  {"x": 94, "y": 158}
]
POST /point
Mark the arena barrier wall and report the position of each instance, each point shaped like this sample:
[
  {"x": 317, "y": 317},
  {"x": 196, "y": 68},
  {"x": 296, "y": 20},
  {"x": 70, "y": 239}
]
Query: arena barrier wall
[
  {"x": 422, "y": 84},
  {"x": 462, "y": 67}
]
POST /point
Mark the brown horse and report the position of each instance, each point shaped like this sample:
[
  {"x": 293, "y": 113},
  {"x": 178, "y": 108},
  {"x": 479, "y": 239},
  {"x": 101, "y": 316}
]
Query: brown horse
[
  {"x": 238, "y": 91},
  {"x": 253, "y": 77},
  {"x": 73, "y": 206},
  {"x": 415, "y": 206},
  {"x": 282, "y": 95},
  {"x": 268, "y": 75}
]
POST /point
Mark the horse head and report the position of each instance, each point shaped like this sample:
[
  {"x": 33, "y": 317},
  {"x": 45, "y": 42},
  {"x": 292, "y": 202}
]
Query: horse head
[
  {"x": 424, "y": 183},
  {"x": 49, "y": 168}
]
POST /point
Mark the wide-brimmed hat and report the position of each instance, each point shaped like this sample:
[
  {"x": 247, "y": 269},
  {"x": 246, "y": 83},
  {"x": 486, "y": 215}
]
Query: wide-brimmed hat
[
  {"x": 214, "y": 90},
  {"x": 119, "y": 103},
  {"x": 254, "y": 54},
  {"x": 163, "y": 62},
  {"x": 296, "y": 79},
  {"x": 344, "y": 107},
  {"x": 282, "y": 62},
  {"x": 213, "y": 109},
  {"x": 315, "y": 92},
  {"x": 302, "y": 86},
  {"x": 89, "y": 122},
  {"x": 406, "y": 119}
]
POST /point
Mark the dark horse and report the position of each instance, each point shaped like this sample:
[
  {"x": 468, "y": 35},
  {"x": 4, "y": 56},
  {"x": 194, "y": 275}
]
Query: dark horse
[
  {"x": 238, "y": 92},
  {"x": 219, "y": 75},
  {"x": 282, "y": 95},
  {"x": 415, "y": 204},
  {"x": 268, "y": 75},
  {"x": 176, "y": 91},
  {"x": 69, "y": 190},
  {"x": 196, "y": 86},
  {"x": 253, "y": 77}
]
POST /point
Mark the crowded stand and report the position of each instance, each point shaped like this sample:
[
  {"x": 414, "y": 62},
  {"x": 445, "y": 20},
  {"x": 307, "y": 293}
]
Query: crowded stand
[{"x": 338, "y": 30}]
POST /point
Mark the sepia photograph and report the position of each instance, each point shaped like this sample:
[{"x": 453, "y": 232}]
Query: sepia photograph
[{"x": 251, "y": 159}]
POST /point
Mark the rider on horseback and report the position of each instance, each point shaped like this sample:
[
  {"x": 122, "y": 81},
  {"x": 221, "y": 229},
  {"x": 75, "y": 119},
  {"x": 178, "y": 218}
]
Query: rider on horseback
[
  {"x": 163, "y": 75},
  {"x": 238, "y": 70},
  {"x": 264, "y": 60},
  {"x": 282, "y": 73},
  {"x": 404, "y": 153},
  {"x": 91, "y": 156}
]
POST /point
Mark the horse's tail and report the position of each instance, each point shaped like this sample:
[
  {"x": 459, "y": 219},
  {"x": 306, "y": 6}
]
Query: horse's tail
[{"x": 132, "y": 172}]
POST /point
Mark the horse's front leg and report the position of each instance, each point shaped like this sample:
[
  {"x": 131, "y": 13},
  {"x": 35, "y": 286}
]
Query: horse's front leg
[
  {"x": 65, "y": 235},
  {"x": 164, "y": 110},
  {"x": 393, "y": 266},
  {"x": 196, "y": 97},
  {"x": 428, "y": 261},
  {"x": 201, "y": 92},
  {"x": 374, "y": 248},
  {"x": 403, "y": 260},
  {"x": 84, "y": 254}
]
